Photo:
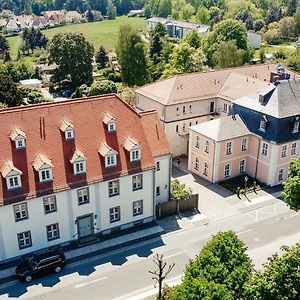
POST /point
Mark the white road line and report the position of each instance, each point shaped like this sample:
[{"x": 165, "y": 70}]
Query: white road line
[
  {"x": 78, "y": 286},
  {"x": 175, "y": 254},
  {"x": 242, "y": 232}
]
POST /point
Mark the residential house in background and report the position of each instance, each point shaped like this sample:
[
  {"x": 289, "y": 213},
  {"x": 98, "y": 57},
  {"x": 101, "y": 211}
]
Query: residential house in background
[
  {"x": 189, "y": 99},
  {"x": 77, "y": 169},
  {"x": 176, "y": 28},
  {"x": 254, "y": 39},
  {"x": 259, "y": 139}
]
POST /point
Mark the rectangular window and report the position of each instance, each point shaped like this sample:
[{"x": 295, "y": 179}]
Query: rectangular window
[
  {"x": 262, "y": 125},
  {"x": 190, "y": 124},
  {"x": 135, "y": 154},
  {"x": 207, "y": 146},
  {"x": 264, "y": 150},
  {"x": 24, "y": 240},
  {"x": 280, "y": 174},
  {"x": 205, "y": 169},
  {"x": 157, "y": 166},
  {"x": 49, "y": 204},
  {"x": 80, "y": 167},
  {"x": 295, "y": 126},
  {"x": 177, "y": 128},
  {"x": 244, "y": 144},
  {"x": 137, "y": 207},
  {"x": 294, "y": 149},
  {"x": 283, "y": 151},
  {"x": 157, "y": 191},
  {"x": 229, "y": 148},
  {"x": 183, "y": 110},
  {"x": 197, "y": 145},
  {"x": 227, "y": 170},
  {"x": 137, "y": 182},
  {"x": 242, "y": 166},
  {"x": 113, "y": 188},
  {"x": 112, "y": 127},
  {"x": 83, "y": 196},
  {"x": 20, "y": 211},
  {"x": 111, "y": 160},
  {"x": 197, "y": 164},
  {"x": 45, "y": 175},
  {"x": 13, "y": 182},
  {"x": 183, "y": 127},
  {"x": 212, "y": 107},
  {"x": 69, "y": 134},
  {"x": 52, "y": 232},
  {"x": 196, "y": 122},
  {"x": 225, "y": 107},
  {"x": 177, "y": 111},
  {"x": 114, "y": 214},
  {"x": 190, "y": 109},
  {"x": 20, "y": 143}
]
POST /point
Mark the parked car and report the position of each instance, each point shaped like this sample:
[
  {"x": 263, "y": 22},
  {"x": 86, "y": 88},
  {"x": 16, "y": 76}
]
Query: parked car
[
  {"x": 42, "y": 263},
  {"x": 297, "y": 45},
  {"x": 67, "y": 93}
]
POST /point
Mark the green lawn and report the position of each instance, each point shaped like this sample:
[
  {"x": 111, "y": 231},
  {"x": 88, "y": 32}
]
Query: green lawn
[{"x": 104, "y": 32}]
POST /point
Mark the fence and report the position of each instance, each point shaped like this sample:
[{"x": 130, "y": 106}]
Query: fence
[{"x": 175, "y": 206}]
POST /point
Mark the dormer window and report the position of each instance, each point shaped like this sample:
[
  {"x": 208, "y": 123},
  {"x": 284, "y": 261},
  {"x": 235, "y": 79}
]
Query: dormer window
[
  {"x": 79, "y": 163},
  {"x": 263, "y": 123},
  {"x": 12, "y": 175},
  {"x": 43, "y": 166},
  {"x": 110, "y": 121},
  {"x": 135, "y": 154},
  {"x": 109, "y": 155},
  {"x": 133, "y": 147},
  {"x": 68, "y": 129},
  {"x": 19, "y": 137},
  {"x": 295, "y": 124}
]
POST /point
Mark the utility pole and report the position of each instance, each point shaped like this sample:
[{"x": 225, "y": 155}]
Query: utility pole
[{"x": 161, "y": 274}]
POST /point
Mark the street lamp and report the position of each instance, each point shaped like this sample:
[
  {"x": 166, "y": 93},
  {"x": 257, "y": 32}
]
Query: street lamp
[{"x": 246, "y": 181}]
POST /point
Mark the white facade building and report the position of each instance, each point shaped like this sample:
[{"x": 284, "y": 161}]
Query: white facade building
[{"x": 78, "y": 169}]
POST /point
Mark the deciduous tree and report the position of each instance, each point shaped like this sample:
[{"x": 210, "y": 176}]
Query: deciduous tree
[
  {"x": 102, "y": 87},
  {"x": 9, "y": 93},
  {"x": 74, "y": 56},
  {"x": 132, "y": 57},
  {"x": 291, "y": 192},
  {"x": 111, "y": 10}
]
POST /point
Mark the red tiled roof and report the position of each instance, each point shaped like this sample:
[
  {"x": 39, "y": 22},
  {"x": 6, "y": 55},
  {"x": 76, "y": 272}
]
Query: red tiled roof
[
  {"x": 44, "y": 137},
  {"x": 155, "y": 134}
]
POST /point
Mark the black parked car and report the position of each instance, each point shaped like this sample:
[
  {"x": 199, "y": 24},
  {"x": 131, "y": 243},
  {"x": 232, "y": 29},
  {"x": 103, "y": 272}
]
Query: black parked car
[{"x": 38, "y": 264}]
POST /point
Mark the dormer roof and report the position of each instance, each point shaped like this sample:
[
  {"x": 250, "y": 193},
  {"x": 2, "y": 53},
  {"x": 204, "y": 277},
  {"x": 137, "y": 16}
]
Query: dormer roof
[
  {"x": 77, "y": 155},
  {"x": 104, "y": 150},
  {"x": 17, "y": 133},
  {"x": 66, "y": 125},
  {"x": 41, "y": 161},
  {"x": 130, "y": 143},
  {"x": 8, "y": 168},
  {"x": 107, "y": 118}
]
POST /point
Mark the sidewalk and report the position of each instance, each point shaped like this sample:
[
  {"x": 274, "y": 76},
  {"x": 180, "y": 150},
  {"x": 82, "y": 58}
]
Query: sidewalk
[{"x": 8, "y": 274}]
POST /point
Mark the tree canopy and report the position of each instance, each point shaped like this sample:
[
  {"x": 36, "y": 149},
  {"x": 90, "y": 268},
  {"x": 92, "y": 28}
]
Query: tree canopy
[
  {"x": 132, "y": 57},
  {"x": 74, "y": 56},
  {"x": 291, "y": 192},
  {"x": 9, "y": 93}
]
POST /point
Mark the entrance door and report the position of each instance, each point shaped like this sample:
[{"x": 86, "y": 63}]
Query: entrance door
[{"x": 85, "y": 226}]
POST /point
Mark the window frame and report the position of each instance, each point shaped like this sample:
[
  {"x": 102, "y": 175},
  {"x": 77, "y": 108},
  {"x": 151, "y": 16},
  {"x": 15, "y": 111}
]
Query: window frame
[
  {"x": 25, "y": 209},
  {"x": 157, "y": 191},
  {"x": 111, "y": 126},
  {"x": 54, "y": 237},
  {"x": 207, "y": 146},
  {"x": 14, "y": 178},
  {"x": 227, "y": 169},
  {"x": 138, "y": 183},
  {"x": 157, "y": 166},
  {"x": 243, "y": 170},
  {"x": 81, "y": 195},
  {"x": 205, "y": 169},
  {"x": 244, "y": 144},
  {"x": 135, "y": 155},
  {"x": 295, "y": 127},
  {"x": 46, "y": 173},
  {"x": 139, "y": 210},
  {"x": 228, "y": 148},
  {"x": 77, "y": 166},
  {"x": 113, "y": 211},
  {"x": 262, "y": 125},
  {"x": 113, "y": 188},
  {"x": 71, "y": 132},
  {"x": 25, "y": 238},
  {"x": 197, "y": 144},
  {"x": 108, "y": 159},
  {"x": 23, "y": 143},
  {"x": 196, "y": 164},
  {"x": 49, "y": 198},
  {"x": 284, "y": 151},
  {"x": 264, "y": 149},
  {"x": 293, "y": 149},
  {"x": 280, "y": 174}
]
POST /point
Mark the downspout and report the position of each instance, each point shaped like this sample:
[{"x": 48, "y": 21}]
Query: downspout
[
  {"x": 258, "y": 150},
  {"x": 154, "y": 196},
  {"x": 213, "y": 170}
]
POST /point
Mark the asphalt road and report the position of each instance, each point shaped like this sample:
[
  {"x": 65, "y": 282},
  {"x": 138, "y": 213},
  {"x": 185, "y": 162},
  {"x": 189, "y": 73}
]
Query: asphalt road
[{"x": 123, "y": 274}]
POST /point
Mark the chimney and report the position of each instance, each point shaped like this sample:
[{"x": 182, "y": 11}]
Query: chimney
[
  {"x": 261, "y": 98},
  {"x": 274, "y": 77}
]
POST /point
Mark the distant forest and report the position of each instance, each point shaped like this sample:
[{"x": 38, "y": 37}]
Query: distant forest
[{"x": 38, "y": 6}]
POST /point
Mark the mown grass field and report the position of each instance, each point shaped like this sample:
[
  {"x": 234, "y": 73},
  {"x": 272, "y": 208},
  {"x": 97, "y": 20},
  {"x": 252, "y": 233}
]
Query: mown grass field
[{"x": 103, "y": 32}]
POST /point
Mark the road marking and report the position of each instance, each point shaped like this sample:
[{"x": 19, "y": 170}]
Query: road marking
[
  {"x": 175, "y": 254},
  {"x": 242, "y": 232},
  {"x": 78, "y": 286}
]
